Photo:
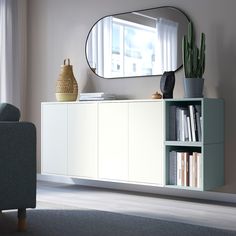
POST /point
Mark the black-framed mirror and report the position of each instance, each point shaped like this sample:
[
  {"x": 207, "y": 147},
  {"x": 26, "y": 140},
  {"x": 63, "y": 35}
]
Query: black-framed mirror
[{"x": 140, "y": 43}]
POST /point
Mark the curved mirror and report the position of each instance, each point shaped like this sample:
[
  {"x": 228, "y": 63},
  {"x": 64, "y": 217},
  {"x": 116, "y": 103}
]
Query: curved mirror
[{"x": 140, "y": 43}]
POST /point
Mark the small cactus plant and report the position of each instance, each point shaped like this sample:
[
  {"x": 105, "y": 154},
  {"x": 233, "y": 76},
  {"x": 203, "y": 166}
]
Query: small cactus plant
[{"x": 193, "y": 57}]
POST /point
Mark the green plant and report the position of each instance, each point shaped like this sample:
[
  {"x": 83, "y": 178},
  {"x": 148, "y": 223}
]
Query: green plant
[{"x": 193, "y": 57}]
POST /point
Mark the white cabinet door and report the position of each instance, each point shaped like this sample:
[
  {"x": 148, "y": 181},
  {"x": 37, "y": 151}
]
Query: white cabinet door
[
  {"x": 113, "y": 141},
  {"x": 54, "y": 139},
  {"x": 146, "y": 142},
  {"x": 82, "y": 140}
]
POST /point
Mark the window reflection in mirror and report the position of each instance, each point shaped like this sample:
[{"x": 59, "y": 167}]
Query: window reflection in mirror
[{"x": 137, "y": 43}]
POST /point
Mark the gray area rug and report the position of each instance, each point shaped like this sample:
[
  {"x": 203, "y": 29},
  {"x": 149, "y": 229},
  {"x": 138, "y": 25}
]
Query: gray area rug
[{"x": 99, "y": 223}]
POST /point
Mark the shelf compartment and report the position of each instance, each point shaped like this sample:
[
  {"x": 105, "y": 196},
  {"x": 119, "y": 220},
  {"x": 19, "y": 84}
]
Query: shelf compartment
[
  {"x": 181, "y": 167},
  {"x": 212, "y": 166},
  {"x": 183, "y": 120}
]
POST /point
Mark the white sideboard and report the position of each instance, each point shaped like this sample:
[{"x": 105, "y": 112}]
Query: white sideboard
[
  {"x": 130, "y": 141},
  {"x": 108, "y": 140}
]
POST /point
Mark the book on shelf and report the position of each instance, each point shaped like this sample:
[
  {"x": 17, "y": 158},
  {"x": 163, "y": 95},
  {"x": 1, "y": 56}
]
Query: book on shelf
[
  {"x": 96, "y": 96},
  {"x": 201, "y": 125},
  {"x": 185, "y": 169},
  {"x": 179, "y": 172},
  {"x": 199, "y": 133},
  {"x": 186, "y": 134},
  {"x": 180, "y": 166},
  {"x": 185, "y": 123},
  {"x": 189, "y": 129},
  {"x": 173, "y": 168},
  {"x": 178, "y": 125},
  {"x": 198, "y": 118},
  {"x": 193, "y": 122},
  {"x": 182, "y": 124},
  {"x": 182, "y": 132},
  {"x": 193, "y": 170},
  {"x": 172, "y": 123},
  {"x": 199, "y": 170},
  {"x": 198, "y": 109}
]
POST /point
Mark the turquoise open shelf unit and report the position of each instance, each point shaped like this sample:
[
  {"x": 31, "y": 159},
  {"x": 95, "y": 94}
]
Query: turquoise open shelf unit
[{"x": 210, "y": 143}]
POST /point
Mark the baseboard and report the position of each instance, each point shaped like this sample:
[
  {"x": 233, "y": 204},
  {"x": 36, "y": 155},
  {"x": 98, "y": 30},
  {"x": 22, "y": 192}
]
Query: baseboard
[{"x": 206, "y": 195}]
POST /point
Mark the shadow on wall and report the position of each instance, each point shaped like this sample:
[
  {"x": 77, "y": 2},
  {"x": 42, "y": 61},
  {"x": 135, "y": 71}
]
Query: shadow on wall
[
  {"x": 226, "y": 54},
  {"x": 89, "y": 86}
]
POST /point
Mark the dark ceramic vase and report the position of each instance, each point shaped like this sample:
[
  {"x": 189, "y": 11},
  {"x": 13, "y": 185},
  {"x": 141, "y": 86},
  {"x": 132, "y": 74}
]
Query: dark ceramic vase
[{"x": 167, "y": 84}]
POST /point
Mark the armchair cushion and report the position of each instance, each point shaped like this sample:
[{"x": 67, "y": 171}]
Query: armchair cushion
[
  {"x": 17, "y": 165},
  {"x": 8, "y": 112}
]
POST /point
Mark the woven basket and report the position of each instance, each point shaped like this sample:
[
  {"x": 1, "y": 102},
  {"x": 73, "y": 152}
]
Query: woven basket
[{"x": 66, "y": 85}]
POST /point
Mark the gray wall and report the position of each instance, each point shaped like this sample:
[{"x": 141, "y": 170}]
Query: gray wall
[{"x": 58, "y": 29}]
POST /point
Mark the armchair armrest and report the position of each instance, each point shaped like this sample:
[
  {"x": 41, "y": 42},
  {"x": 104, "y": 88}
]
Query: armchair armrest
[{"x": 17, "y": 165}]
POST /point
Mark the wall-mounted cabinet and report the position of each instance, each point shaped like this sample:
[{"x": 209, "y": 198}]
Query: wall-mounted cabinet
[
  {"x": 111, "y": 140},
  {"x": 171, "y": 143},
  {"x": 194, "y": 143}
]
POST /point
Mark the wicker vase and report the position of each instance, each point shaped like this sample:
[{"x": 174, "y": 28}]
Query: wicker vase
[{"x": 66, "y": 85}]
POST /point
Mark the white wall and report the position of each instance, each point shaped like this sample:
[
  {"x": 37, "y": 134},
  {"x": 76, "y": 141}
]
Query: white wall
[{"x": 58, "y": 29}]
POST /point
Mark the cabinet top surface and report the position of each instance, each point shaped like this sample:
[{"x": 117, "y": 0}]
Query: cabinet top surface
[
  {"x": 107, "y": 101},
  {"x": 190, "y": 99},
  {"x": 132, "y": 100}
]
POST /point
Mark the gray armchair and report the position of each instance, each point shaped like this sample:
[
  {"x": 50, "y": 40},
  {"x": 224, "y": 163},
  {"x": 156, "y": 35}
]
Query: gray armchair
[{"x": 17, "y": 166}]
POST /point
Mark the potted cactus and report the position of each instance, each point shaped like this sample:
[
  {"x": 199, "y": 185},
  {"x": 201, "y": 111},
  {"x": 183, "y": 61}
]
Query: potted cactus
[{"x": 193, "y": 63}]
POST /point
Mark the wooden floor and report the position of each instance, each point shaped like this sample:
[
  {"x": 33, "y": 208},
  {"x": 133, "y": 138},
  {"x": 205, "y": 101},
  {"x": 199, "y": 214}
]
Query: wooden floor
[{"x": 62, "y": 196}]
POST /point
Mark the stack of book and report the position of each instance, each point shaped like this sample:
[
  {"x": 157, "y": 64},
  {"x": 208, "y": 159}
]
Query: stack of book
[
  {"x": 185, "y": 169},
  {"x": 186, "y": 123},
  {"x": 96, "y": 96}
]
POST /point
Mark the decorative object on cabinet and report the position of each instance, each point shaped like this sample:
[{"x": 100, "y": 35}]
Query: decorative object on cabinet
[
  {"x": 193, "y": 63},
  {"x": 66, "y": 85},
  {"x": 167, "y": 84},
  {"x": 97, "y": 96},
  {"x": 134, "y": 43},
  {"x": 156, "y": 95}
]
